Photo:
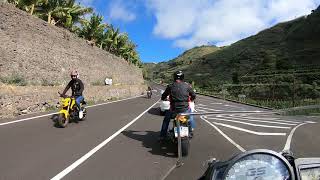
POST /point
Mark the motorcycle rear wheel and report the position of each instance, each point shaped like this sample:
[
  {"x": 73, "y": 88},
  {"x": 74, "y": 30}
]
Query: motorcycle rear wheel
[
  {"x": 185, "y": 145},
  {"x": 62, "y": 120}
]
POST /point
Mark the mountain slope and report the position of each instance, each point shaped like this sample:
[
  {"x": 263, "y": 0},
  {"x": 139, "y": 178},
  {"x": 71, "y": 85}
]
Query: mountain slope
[
  {"x": 164, "y": 70},
  {"x": 288, "y": 46}
]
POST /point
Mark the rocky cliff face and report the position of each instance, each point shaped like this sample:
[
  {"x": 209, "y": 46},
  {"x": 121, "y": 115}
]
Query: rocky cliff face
[{"x": 42, "y": 54}]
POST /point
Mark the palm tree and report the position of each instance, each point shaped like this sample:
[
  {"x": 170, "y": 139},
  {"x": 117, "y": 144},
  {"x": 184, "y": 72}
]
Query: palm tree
[
  {"x": 112, "y": 36},
  {"x": 92, "y": 30},
  {"x": 121, "y": 44},
  {"x": 26, "y": 5},
  {"x": 54, "y": 11},
  {"x": 73, "y": 13}
]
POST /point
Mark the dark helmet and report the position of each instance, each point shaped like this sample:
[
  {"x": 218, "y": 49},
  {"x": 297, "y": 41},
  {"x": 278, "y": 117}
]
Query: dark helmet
[{"x": 178, "y": 75}]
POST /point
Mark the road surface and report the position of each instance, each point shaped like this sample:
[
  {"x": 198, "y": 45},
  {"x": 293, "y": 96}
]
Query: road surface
[{"x": 119, "y": 141}]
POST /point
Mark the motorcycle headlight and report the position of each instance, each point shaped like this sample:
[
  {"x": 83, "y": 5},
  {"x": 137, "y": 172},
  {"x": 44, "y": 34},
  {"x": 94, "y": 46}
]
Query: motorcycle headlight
[{"x": 65, "y": 102}]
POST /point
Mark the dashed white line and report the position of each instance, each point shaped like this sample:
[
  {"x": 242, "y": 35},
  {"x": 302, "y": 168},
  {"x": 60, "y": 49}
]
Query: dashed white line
[{"x": 94, "y": 150}]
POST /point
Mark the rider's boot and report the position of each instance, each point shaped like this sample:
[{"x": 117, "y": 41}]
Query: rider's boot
[{"x": 80, "y": 111}]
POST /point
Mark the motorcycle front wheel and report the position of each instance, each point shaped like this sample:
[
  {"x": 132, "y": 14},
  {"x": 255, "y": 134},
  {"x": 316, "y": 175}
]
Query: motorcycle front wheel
[{"x": 62, "y": 120}]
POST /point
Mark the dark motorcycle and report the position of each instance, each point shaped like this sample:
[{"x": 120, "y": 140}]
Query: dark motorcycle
[
  {"x": 149, "y": 94},
  {"x": 263, "y": 164},
  {"x": 180, "y": 133}
]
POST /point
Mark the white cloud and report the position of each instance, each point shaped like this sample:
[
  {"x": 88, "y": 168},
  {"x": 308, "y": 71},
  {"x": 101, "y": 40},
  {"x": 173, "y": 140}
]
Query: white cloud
[
  {"x": 190, "y": 23},
  {"x": 120, "y": 11}
]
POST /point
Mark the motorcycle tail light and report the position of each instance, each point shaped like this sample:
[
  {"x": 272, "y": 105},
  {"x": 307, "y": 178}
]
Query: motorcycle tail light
[{"x": 182, "y": 119}]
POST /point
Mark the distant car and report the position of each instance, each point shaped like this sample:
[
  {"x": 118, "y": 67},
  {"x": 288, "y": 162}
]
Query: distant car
[{"x": 164, "y": 106}]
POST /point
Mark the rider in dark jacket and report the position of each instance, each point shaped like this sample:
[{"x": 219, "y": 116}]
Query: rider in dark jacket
[
  {"x": 77, "y": 87},
  {"x": 180, "y": 93}
]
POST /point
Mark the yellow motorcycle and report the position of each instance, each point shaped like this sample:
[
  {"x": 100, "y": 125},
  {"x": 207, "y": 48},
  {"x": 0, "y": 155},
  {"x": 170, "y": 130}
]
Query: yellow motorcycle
[{"x": 69, "y": 111}]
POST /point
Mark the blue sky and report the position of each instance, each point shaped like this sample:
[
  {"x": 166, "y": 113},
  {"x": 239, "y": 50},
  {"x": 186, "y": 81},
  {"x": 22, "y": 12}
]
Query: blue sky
[{"x": 163, "y": 29}]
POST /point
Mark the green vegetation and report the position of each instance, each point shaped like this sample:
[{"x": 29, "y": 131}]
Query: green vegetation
[
  {"x": 45, "y": 82},
  {"x": 279, "y": 67},
  {"x": 14, "y": 80},
  {"x": 164, "y": 70},
  {"x": 51, "y": 108},
  {"x": 97, "y": 83},
  {"x": 313, "y": 111},
  {"x": 70, "y": 15}
]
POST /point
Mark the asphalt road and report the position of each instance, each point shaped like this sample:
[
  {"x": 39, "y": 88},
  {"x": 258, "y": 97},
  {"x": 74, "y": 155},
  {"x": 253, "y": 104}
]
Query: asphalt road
[{"x": 119, "y": 141}]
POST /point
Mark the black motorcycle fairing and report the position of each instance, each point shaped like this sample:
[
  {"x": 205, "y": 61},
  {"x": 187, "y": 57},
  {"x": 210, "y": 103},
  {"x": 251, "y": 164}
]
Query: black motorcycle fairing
[{"x": 221, "y": 170}]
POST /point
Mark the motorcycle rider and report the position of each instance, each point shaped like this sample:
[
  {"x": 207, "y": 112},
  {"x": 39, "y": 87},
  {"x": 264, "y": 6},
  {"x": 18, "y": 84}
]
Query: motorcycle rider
[
  {"x": 150, "y": 90},
  {"x": 180, "y": 93},
  {"x": 77, "y": 88}
]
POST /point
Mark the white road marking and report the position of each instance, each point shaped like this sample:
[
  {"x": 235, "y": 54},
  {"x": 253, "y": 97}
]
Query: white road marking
[
  {"x": 94, "y": 150},
  {"x": 224, "y": 135},
  {"x": 251, "y": 124},
  {"x": 249, "y": 131},
  {"x": 26, "y": 119},
  {"x": 288, "y": 142},
  {"x": 209, "y": 109},
  {"x": 158, "y": 89},
  {"x": 168, "y": 173},
  {"x": 257, "y": 118},
  {"x": 245, "y": 115},
  {"x": 252, "y": 120},
  {"x": 228, "y": 105},
  {"x": 204, "y": 105},
  {"x": 115, "y": 101},
  {"x": 45, "y": 115}
]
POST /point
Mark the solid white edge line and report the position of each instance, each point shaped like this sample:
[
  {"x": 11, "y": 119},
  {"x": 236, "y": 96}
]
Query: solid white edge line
[
  {"x": 94, "y": 150},
  {"x": 30, "y": 118},
  {"x": 224, "y": 135},
  {"x": 26, "y": 119},
  {"x": 288, "y": 142}
]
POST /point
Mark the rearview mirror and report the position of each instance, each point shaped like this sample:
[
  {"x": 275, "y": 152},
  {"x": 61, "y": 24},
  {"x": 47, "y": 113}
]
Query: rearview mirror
[{"x": 308, "y": 168}]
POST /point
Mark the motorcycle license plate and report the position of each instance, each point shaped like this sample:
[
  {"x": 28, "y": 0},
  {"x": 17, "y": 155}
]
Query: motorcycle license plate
[{"x": 184, "y": 131}]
